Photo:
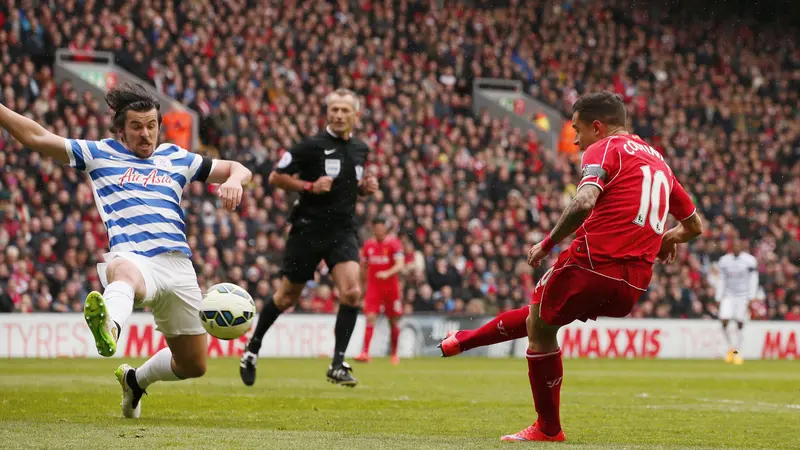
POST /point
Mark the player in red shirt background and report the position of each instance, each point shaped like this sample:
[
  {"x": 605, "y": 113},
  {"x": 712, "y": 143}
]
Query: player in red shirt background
[
  {"x": 620, "y": 212},
  {"x": 382, "y": 259}
]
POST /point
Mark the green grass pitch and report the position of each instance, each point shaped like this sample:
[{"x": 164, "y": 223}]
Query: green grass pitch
[{"x": 456, "y": 403}]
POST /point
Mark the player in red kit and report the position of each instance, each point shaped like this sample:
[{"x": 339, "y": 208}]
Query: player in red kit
[
  {"x": 619, "y": 213},
  {"x": 382, "y": 258}
]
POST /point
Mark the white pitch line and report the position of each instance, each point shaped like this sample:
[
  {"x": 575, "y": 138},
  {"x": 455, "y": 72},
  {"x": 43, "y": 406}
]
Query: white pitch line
[
  {"x": 742, "y": 402},
  {"x": 645, "y": 395}
]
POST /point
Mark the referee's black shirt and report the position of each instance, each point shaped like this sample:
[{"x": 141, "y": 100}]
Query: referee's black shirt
[{"x": 320, "y": 155}]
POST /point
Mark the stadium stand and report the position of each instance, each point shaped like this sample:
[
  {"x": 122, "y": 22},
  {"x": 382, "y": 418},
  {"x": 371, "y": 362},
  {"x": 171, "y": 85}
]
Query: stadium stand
[{"x": 468, "y": 194}]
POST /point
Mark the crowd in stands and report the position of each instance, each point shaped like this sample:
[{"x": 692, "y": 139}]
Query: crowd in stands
[{"x": 467, "y": 194}]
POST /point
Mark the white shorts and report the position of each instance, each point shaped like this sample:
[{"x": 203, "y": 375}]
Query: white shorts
[
  {"x": 172, "y": 290},
  {"x": 734, "y": 308}
]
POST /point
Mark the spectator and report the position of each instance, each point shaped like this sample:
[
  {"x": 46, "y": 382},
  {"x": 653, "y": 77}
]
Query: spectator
[{"x": 468, "y": 194}]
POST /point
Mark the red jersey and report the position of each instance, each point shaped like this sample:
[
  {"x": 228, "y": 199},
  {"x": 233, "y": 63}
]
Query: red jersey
[
  {"x": 639, "y": 191},
  {"x": 380, "y": 256}
]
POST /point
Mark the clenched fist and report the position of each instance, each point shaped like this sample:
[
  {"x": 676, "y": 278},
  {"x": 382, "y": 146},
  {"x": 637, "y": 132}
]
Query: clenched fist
[
  {"x": 370, "y": 184},
  {"x": 322, "y": 185}
]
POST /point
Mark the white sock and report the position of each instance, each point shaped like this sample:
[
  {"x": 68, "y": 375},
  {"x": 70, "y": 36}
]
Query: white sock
[
  {"x": 157, "y": 368},
  {"x": 118, "y": 297},
  {"x": 739, "y": 338},
  {"x": 727, "y": 337}
]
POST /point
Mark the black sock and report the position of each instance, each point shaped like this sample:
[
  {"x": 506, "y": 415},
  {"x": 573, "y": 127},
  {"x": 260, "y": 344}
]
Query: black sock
[
  {"x": 345, "y": 323},
  {"x": 269, "y": 314},
  {"x": 130, "y": 378}
]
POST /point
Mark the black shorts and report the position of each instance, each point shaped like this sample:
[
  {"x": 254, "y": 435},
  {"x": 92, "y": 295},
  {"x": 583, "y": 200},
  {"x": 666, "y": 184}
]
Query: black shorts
[{"x": 308, "y": 245}]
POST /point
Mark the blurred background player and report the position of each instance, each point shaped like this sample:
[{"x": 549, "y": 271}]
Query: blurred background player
[
  {"x": 328, "y": 171},
  {"x": 737, "y": 286},
  {"x": 137, "y": 189},
  {"x": 624, "y": 197},
  {"x": 382, "y": 259}
]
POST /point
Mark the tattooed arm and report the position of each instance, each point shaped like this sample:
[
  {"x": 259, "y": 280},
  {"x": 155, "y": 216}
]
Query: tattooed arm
[
  {"x": 577, "y": 211},
  {"x": 571, "y": 219}
]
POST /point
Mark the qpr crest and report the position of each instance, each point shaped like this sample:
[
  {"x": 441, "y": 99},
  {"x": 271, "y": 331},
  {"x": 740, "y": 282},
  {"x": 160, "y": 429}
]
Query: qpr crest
[
  {"x": 162, "y": 162},
  {"x": 359, "y": 172}
]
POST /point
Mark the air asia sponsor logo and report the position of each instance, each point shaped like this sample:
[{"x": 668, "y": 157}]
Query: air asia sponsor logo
[
  {"x": 780, "y": 345},
  {"x": 612, "y": 343},
  {"x": 132, "y": 176}
]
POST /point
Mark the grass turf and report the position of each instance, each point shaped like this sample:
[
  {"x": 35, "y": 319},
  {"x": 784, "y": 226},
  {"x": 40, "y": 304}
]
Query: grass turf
[{"x": 457, "y": 403}]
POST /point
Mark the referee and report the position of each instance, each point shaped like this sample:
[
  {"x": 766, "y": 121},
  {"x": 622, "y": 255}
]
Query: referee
[{"x": 328, "y": 171}]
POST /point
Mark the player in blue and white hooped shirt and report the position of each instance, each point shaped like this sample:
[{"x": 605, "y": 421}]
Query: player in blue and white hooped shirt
[{"x": 137, "y": 189}]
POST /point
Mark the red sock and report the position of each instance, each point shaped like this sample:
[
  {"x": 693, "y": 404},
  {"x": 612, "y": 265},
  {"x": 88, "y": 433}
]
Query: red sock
[
  {"x": 545, "y": 371},
  {"x": 368, "y": 337},
  {"x": 395, "y": 337},
  {"x": 505, "y": 327}
]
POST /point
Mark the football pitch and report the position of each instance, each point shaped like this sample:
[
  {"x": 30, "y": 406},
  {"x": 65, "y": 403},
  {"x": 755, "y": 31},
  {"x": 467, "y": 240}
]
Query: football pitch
[{"x": 432, "y": 403}]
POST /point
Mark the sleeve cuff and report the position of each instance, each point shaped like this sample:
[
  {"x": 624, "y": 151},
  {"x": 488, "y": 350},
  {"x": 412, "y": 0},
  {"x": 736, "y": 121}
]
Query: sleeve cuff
[
  {"x": 206, "y": 168},
  {"x": 70, "y": 154},
  {"x": 690, "y": 215},
  {"x": 594, "y": 183}
]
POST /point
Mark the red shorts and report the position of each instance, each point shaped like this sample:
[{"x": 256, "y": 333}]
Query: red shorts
[
  {"x": 572, "y": 291},
  {"x": 383, "y": 299}
]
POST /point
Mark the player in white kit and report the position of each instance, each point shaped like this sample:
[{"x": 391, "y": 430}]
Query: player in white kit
[
  {"x": 736, "y": 288},
  {"x": 137, "y": 190}
]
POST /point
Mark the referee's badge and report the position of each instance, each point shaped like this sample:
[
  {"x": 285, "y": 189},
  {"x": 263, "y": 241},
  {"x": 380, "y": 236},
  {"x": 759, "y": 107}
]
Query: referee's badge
[
  {"x": 333, "y": 167},
  {"x": 359, "y": 172},
  {"x": 286, "y": 159}
]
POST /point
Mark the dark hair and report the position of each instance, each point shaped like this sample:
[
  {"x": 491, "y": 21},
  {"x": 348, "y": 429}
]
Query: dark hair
[
  {"x": 603, "y": 106},
  {"x": 130, "y": 97},
  {"x": 380, "y": 219}
]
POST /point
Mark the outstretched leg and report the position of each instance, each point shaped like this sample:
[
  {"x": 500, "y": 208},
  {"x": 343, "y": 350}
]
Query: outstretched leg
[
  {"x": 505, "y": 327},
  {"x": 176, "y": 313},
  {"x": 184, "y": 357}
]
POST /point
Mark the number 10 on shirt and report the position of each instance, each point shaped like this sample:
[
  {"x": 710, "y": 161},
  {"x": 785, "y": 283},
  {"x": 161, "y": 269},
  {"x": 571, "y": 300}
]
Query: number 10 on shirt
[{"x": 653, "y": 184}]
